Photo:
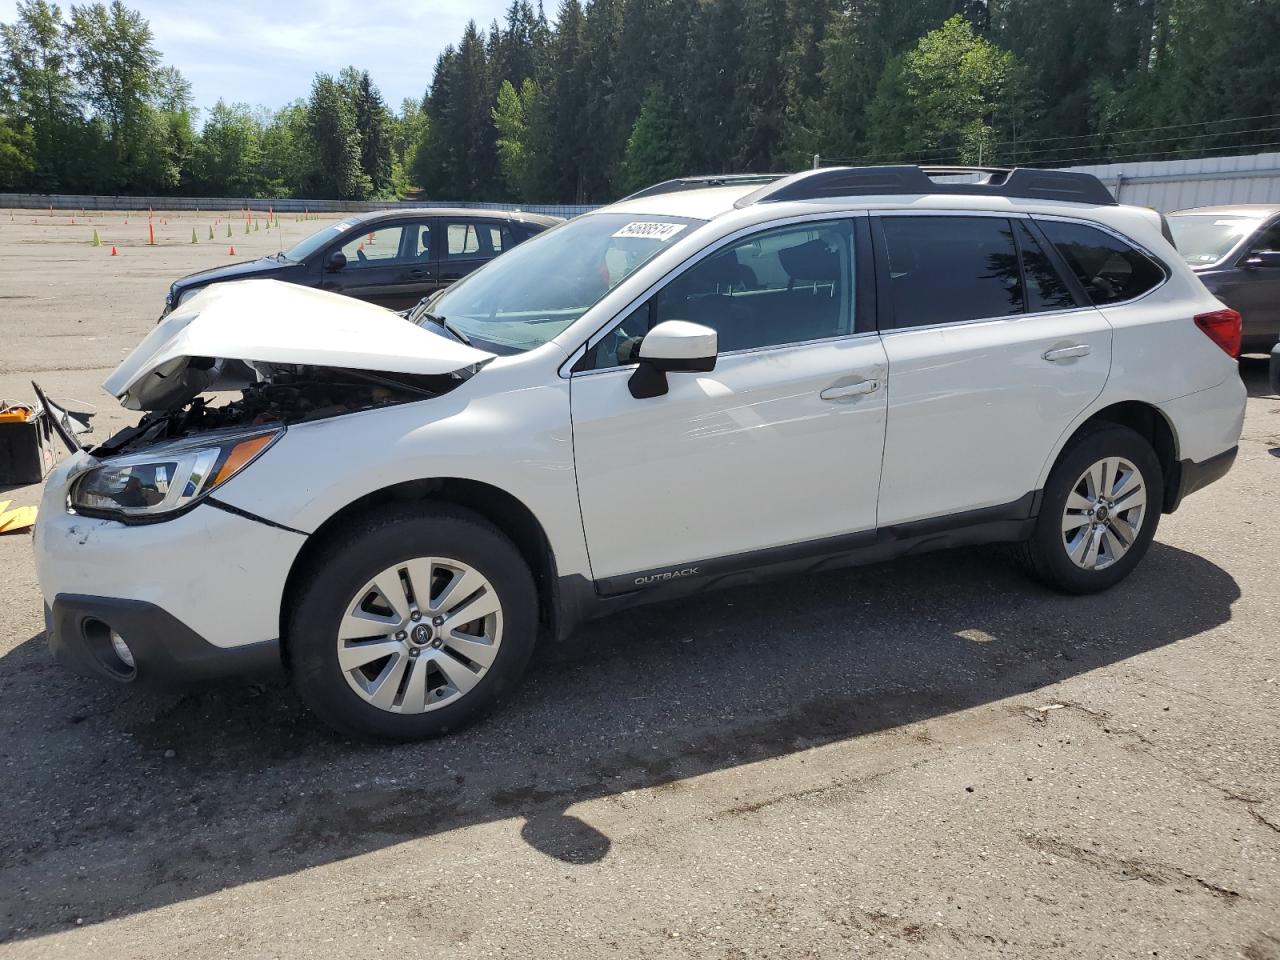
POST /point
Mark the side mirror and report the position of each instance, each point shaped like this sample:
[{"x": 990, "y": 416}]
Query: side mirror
[
  {"x": 337, "y": 260},
  {"x": 673, "y": 346},
  {"x": 1263, "y": 258}
]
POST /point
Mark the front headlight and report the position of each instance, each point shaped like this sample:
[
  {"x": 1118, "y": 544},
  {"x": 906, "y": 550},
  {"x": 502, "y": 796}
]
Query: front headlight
[{"x": 164, "y": 481}]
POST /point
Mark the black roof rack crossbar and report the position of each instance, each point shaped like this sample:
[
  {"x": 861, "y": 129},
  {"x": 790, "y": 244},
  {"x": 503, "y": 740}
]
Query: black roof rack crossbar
[
  {"x": 1025, "y": 183},
  {"x": 707, "y": 180}
]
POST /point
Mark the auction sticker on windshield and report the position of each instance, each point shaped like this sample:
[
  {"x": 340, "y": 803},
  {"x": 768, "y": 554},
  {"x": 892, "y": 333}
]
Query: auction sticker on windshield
[{"x": 650, "y": 230}]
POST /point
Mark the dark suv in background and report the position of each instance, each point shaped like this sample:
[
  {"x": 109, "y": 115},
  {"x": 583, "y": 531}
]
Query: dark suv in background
[
  {"x": 390, "y": 257},
  {"x": 1235, "y": 251}
]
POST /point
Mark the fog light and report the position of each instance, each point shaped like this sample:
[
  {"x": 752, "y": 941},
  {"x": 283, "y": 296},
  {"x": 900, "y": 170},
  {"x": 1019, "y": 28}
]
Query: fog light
[{"x": 122, "y": 650}]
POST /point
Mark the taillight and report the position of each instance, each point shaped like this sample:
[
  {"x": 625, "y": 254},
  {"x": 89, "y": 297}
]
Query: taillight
[{"x": 1223, "y": 328}]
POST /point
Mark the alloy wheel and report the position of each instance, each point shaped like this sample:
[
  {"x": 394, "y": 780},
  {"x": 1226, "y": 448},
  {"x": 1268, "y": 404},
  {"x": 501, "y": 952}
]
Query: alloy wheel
[
  {"x": 420, "y": 635},
  {"x": 1104, "y": 513}
]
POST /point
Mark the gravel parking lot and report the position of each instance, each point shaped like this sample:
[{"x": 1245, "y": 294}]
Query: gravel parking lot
[{"x": 931, "y": 758}]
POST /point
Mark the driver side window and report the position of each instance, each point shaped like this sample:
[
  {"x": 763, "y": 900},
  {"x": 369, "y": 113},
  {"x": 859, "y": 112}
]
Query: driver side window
[
  {"x": 788, "y": 285},
  {"x": 1267, "y": 239},
  {"x": 373, "y": 247}
]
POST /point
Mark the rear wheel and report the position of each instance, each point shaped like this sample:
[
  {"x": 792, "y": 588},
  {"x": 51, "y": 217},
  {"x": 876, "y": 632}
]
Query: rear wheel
[
  {"x": 1099, "y": 512},
  {"x": 412, "y": 624}
]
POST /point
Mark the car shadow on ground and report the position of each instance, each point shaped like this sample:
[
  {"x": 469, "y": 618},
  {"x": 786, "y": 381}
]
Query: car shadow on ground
[{"x": 117, "y": 802}]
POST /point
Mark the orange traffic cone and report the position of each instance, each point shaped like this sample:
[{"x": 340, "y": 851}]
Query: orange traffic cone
[
  {"x": 113, "y": 252},
  {"x": 232, "y": 251}
]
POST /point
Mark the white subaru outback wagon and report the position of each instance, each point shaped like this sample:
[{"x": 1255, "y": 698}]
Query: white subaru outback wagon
[{"x": 712, "y": 381}]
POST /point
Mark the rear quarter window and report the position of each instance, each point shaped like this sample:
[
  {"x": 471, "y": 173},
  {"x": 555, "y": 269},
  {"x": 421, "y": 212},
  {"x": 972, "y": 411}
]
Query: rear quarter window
[{"x": 1109, "y": 269}]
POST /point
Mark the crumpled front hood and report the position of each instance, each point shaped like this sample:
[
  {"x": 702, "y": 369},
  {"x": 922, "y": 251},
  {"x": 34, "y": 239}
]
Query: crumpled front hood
[{"x": 267, "y": 321}]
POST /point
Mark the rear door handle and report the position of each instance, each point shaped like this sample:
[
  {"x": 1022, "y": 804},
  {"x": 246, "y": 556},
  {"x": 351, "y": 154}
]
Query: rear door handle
[
  {"x": 1067, "y": 353},
  {"x": 859, "y": 389},
  {"x": 420, "y": 274}
]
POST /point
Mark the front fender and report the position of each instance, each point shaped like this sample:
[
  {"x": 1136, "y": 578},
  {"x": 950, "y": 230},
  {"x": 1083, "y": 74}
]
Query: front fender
[{"x": 519, "y": 440}]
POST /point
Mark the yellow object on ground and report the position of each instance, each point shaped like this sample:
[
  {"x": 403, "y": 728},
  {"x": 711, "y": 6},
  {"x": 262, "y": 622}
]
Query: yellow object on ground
[{"x": 20, "y": 518}]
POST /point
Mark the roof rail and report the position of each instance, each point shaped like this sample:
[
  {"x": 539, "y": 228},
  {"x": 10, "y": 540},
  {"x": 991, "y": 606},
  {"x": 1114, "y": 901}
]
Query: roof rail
[
  {"x": 707, "y": 180},
  {"x": 1021, "y": 182}
]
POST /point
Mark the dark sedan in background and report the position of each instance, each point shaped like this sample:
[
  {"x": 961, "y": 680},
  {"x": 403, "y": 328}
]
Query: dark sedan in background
[
  {"x": 1235, "y": 250},
  {"x": 390, "y": 257}
]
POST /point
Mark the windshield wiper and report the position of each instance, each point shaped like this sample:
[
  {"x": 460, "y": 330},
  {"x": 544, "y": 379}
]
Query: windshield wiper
[{"x": 445, "y": 324}]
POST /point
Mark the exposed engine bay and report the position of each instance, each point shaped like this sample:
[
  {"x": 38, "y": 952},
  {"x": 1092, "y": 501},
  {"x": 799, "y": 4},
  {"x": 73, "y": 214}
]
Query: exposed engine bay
[{"x": 276, "y": 394}]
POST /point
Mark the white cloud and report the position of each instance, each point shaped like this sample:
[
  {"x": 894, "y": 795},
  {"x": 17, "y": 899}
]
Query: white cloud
[{"x": 267, "y": 53}]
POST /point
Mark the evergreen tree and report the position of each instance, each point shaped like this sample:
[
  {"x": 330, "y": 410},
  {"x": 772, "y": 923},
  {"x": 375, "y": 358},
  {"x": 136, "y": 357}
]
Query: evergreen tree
[
  {"x": 564, "y": 114},
  {"x": 372, "y": 124},
  {"x": 660, "y": 146},
  {"x": 335, "y": 141},
  {"x": 603, "y": 138}
]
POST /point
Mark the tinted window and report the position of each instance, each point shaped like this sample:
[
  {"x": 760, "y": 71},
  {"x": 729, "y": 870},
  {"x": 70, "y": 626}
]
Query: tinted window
[
  {"x": 1046, "y": 289},
  {"x": 1109, "y": 269},
  {"x": 950, "y": 269},
  {"x": 783, "y": 286}
]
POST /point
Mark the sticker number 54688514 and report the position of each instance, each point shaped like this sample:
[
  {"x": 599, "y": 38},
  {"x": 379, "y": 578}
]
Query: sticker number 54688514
[{"x": 650, "y": 230}]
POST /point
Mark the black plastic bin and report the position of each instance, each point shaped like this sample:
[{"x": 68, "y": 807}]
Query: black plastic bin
[{"x": 28, "y": 450}]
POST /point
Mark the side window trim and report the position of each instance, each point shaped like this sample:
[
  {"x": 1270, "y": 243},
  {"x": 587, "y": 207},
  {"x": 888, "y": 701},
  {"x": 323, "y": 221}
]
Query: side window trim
[
  {"x": 862, "y": 325},
  {"x": 1064, "y": 271},
  {"x": 1050, "y": 250}
]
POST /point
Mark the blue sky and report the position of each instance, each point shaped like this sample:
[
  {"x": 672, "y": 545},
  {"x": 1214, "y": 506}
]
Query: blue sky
[{"x": 267, "y": 52}]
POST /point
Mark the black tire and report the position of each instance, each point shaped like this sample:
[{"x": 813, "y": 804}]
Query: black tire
[
  {"x": 1045, "y": 556},
  {"x": 360, "y": 551}
]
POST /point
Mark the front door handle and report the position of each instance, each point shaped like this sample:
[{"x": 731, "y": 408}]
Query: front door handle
[
  {"x": 1067, "y": 353},
  {"x": 845, "y": 391},
  {"x": 420, "y": 274}
]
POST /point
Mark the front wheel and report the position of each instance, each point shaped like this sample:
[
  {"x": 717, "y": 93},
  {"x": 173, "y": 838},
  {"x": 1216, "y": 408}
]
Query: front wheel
[
  {"x": 1099, "y": 512},
  {"x": 412, "y": 624}
]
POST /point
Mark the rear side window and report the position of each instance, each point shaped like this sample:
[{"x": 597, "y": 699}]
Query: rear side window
[
  {"x": 1110, "y": 270},
  {"x": 951, "y": 269}
]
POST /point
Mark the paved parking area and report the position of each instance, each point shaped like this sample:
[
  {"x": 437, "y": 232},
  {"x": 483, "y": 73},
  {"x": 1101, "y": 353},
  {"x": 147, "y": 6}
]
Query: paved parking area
[{"x": 931, "y": 758}]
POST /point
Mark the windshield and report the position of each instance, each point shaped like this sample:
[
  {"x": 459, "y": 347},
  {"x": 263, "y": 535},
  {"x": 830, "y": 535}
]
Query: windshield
[
  {"x": 524, "y": 298},
  {"x": 305, "y": 248},
  {"x": 1204, "y": 238}
]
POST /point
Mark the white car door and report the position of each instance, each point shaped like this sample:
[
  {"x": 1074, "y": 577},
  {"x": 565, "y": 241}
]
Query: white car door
[
  {"x": 991, "y": 357},
  {"x": 779, "y": 446}
]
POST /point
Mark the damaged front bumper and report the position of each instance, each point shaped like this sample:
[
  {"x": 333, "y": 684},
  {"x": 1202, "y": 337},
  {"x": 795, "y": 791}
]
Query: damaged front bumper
[{"x": 195, "y": 596}]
